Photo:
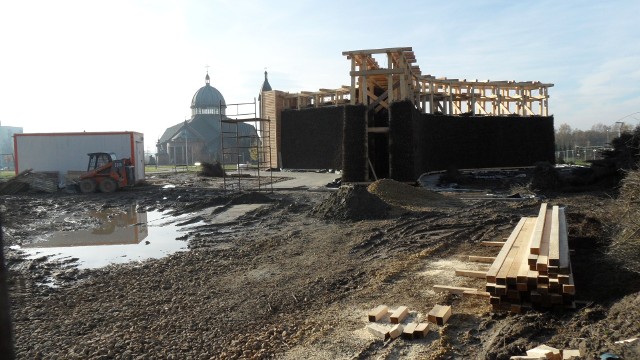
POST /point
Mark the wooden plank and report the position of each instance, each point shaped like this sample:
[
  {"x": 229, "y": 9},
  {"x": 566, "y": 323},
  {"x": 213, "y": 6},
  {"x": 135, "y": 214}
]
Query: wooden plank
[
  {"x": 545, "y": 351},
  {"x": 490, "y": 288},
  {"x": 476, "y": 293},
  {"x": 533, "y": 259},
  {"x": 396, "y": 331},
  {"x": 451, "y": 289},
  {"x": 493, "y": 243},
  {"x": 536, "y": 237},
  {"x": 568, "y": 354},
  {"x": 495, "y": 267},
  {"x": 399, "y": 314},
  {"x": 471, "y": 273},
  {"x": 439, "y": 314},
  {"x": 378, "y": 330},
  {"x": 565, "y": 262},
  {"x": 407, "y": 333},
  {"x": 520, "y": 267},
  {"x": 482, "y": 259},
  {"x": 541, "y": 264},
  {"x": 569, "y": 288},
  {"x": 511, "y": 265},
  {"x": 532, "y": 279},
  {"x": 378, "y": 313},
  {"x": 421, "y": 330},
  {"x": 554, "y": 238}
]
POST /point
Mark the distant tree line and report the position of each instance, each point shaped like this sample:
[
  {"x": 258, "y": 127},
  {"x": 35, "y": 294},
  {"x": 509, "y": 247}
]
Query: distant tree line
[{"x": 599, "y": 135}]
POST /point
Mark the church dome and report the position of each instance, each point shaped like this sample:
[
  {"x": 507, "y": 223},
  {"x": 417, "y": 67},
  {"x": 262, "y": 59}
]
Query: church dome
[{"x": 207, "y": 97}]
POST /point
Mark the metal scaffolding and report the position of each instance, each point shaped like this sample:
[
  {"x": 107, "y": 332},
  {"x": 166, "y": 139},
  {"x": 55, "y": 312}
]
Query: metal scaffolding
[{"x": 246, "y": 149}]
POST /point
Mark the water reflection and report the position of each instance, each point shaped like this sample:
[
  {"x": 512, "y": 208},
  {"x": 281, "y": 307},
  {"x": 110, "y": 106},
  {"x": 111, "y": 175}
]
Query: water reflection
[{"x": 120, "y": 237}]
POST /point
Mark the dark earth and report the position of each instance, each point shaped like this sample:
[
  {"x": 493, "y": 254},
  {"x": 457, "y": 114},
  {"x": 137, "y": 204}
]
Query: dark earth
[{"x": 295, "y": 278}]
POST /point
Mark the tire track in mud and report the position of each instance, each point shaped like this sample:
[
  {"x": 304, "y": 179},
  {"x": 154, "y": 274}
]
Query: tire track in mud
[{"x": 421, "y": 230}]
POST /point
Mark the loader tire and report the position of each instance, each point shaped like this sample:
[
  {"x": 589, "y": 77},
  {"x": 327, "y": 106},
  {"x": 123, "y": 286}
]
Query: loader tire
[
  {"x": 87, "y": 186},
  {"x": 108, "y": 185}
]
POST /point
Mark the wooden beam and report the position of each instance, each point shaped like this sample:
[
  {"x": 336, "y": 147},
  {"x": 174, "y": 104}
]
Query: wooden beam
[
  {"x": 495, "y": 267},
  {"x": 399, "y": 314},
  {"x": 377, "y": 72},
  {"x": 439, "y": 314},
  {"x": 396, "y": 331},
  {"x": 536, "y": 237},
  {"x": 378, "y": 313},
  {"x": 452, "y": 289},
  {"x": 421, "y": 330},
  {"x": 376, "y": 51},
  {"x": 482, "y": 259},
  {"x": 475, "y": 293},
  {"x": 471, "y": 273},
  {"x": 378, "y": 330},
  {"x": 522, "y": 251},
  {"x": 407, "y": 333},
  {"x": 493, "y": 243},
  {"x": 541, "y": 263},
  {"x": 554, "y": 238},
  {"x": 565, "y": 262}
]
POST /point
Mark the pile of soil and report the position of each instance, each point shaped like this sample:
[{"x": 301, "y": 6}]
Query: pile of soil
[
  {"x": 211, "y": 170},
  {"x": 404, "y": 195},
  {"x": 352, "y": 203}
]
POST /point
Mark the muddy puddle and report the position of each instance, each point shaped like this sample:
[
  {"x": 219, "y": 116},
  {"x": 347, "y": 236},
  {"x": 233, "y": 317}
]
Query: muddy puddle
[{"x": 124, "y": 237}]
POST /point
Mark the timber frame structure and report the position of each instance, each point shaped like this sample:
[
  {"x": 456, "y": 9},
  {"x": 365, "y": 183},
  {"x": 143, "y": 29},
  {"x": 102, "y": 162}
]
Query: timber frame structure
[
  {"x": 377, "y": 87},
  {"x": 402, "y": 80}
]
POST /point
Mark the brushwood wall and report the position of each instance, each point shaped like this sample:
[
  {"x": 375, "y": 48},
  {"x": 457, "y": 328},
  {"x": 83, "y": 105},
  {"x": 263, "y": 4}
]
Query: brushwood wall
[
  {"x": 441, "y": 142},
  {"x": 312, "y": 138}
]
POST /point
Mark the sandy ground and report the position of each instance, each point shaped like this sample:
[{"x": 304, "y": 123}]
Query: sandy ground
[{"x": 294, "y": 276}]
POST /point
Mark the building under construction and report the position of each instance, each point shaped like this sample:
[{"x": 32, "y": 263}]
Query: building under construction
[{"x": 394, "y": 122}]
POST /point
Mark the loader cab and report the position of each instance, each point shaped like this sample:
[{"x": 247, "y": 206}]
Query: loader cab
[{"x": 98, "y": 160}]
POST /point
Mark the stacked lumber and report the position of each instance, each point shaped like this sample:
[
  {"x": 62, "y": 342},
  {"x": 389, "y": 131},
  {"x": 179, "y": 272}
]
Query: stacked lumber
[{"x": 533, "y": 267}]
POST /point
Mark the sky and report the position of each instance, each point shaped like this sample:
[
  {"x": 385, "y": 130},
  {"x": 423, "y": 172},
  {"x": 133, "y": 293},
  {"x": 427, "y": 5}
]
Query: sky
[{"x": 134, "y": 65}]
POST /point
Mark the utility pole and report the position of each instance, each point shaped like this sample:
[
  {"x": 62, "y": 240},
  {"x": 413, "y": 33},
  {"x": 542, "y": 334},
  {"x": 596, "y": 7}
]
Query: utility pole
[{"x": 620, "y": 127}]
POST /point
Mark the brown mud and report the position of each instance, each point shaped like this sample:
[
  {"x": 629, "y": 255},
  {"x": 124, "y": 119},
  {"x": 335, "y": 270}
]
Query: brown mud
[{"x": 295, "y": 277}]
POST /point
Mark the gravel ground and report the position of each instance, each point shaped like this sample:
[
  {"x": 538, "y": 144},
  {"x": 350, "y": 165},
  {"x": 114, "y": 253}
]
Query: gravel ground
[{"x": 295, "y": 277}]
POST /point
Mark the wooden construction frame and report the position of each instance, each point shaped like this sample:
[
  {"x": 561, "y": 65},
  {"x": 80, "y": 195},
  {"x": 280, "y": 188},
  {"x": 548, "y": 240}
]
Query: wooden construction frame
[{"x": 402, "y": 80}]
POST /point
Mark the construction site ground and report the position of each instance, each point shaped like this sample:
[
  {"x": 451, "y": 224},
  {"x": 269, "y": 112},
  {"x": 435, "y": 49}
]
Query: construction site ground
[{"x": 295, "y": 277}]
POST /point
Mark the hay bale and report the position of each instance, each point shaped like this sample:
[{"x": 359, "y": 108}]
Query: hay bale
[{"x": 401, "y": 194}]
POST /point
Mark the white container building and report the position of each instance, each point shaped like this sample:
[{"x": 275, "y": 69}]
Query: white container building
[{"x": 66, "y": 153}]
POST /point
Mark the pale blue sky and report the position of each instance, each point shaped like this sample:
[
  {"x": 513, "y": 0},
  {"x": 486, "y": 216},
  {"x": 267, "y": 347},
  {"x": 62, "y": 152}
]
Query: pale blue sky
[{"x": 134, "y": 65}]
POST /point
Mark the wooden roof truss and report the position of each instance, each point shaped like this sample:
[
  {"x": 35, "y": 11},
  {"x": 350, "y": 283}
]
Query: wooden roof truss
[
  {"x": 402, "y": 79},
  {"x": 322, "y": 97}
]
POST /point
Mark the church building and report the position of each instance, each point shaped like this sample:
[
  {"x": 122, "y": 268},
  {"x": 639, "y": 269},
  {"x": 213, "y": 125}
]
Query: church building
[{"x": 199, "y": 139}]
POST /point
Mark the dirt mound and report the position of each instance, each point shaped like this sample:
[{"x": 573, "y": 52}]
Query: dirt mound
[
  {"x": 211, "y": 170},
  {"x": 400, "y": 194},
  {"x": 250, "y": 198},
  {"x": 352, "y": 203}
]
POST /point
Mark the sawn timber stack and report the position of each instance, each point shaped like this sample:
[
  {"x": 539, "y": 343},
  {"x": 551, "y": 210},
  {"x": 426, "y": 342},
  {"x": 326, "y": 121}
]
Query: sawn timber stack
[{"x": 533, "y": 269}]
